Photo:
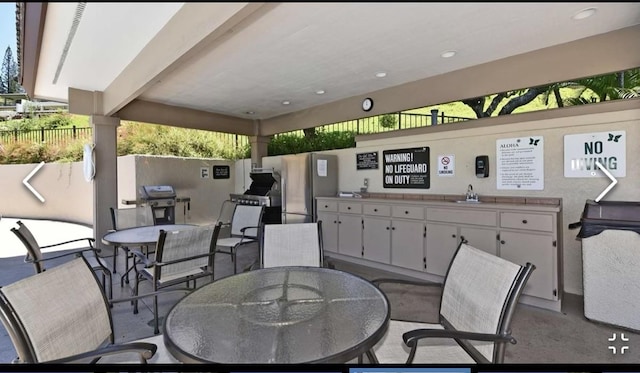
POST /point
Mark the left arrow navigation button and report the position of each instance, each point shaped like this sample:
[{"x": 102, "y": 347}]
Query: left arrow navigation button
[{"x": 26, "y": 182}]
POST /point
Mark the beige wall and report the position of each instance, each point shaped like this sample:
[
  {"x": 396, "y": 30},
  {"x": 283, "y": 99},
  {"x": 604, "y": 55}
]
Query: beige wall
[
  {"x": 68, "y": 197},
  {"x": 465, "y": 144},
  {"x": 184, "y": 175}
]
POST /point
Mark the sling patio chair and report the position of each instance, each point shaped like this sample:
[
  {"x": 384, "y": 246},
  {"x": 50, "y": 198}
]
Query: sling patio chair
[
  {"x": 35, "y": 256},
  {"x": 479, "y": 296},
  {"x": 76, "y": 325},
  {"x": 180, "y": 257},
  {"x": 124, "y": 218},
  {"x": 244, "y": 229},
  {"x": 297, "y": 244}
]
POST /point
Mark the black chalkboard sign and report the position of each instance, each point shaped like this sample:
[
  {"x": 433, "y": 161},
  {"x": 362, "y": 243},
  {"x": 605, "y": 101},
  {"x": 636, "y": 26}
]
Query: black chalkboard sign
[
  {"x": 367, "y": 161},
  {"x": 221, "y": 172},
  {"x": 406, "y": 168}
]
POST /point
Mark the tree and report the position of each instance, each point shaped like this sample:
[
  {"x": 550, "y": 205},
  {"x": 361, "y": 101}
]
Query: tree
[
  {"x": 9, "y": 74},
  {"x": 614, "y": 86},
  {"x": 515, "y": 100}
]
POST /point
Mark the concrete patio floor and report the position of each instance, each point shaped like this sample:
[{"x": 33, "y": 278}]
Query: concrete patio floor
[{"x": 543, "y": 336}]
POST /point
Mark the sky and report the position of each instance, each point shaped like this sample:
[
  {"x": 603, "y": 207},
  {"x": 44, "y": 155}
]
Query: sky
[{"x": 8, "y": 28}]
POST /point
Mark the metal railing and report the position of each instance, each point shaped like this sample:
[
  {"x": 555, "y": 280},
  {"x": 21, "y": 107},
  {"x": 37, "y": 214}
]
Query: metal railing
[
  {"x": 61, "y": 136},
  {"x": 373, "y": 124},
  {"x": 387, "y": 122},
  {"x": 57, "y": 136}
]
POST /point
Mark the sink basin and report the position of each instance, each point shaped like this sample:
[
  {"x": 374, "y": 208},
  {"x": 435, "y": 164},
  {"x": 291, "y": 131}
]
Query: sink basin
[{"x": 465, "y": 201}]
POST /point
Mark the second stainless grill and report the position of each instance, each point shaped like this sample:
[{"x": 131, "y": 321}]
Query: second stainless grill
[{"x": 162, "y": 200}]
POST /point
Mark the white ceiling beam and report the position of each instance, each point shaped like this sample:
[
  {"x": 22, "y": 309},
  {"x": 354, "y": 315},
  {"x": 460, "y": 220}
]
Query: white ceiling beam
[
  {"x": 192, "y": 29},
  {"x": 176, "y": 116}
]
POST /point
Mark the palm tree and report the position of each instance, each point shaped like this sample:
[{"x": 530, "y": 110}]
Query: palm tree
[{"x": 614, "y": 86}]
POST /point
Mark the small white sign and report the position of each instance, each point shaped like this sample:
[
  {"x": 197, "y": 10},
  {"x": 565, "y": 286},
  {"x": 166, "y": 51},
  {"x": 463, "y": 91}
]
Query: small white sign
[
  {"x": 322, "y": 167},
  {"x": 520, "y": 163},
  {"x": 581, "y": 152},
  {"x": 446, "y": 165},
  {"x": 204, "y": 172}
]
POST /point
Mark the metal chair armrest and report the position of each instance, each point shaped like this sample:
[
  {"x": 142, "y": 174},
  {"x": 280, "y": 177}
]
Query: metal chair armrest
[
  {"x": 146, "y": 351},
  {"x": 28, "y": 258},
  {"x": 412, "y": 337},
  {"x": 89, "y": 239},
  {"x": 243, "y": 229},
  {"x": 379, "y": 281},
  {"x": 142, "y": 257},
  {"x": 160, "y": 264},
  {"x": 158, "y": 292}
]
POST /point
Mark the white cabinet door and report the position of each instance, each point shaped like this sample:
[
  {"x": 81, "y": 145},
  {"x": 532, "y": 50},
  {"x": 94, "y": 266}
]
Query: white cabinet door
[
  {"x": 329, "y": 231},
  {"x": 350, "y": 235},
  {"x": 538, "y": 249},
  {"x": 481, "y": 238},
  {"x": 407, "y": 242},
  {"x": 376, "y": 238},
  {"x": 442, "y": 242}
]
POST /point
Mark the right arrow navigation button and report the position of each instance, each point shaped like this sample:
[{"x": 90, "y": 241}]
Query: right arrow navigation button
[{"x": 613, "y": 181}]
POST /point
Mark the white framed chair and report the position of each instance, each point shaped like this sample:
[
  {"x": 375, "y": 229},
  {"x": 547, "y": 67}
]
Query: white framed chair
[
  {"x": 479, "y": 296},
  {"x": 123, "y": 218},
  {"x": 297, "y": 244},
  {"x": 244, "y": 229},
  {"x": 75, "y": 327},
  {"x": 226, "y": 212},
  {"x": 181, "y": 256},
  {"x": 91, "y": 253}
]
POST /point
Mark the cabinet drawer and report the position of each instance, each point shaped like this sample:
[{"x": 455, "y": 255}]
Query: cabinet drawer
[
  {"x": 409, "y": 212},
  {"x": 528, "y": 221},
  {"x": 350, "y": 207},
  {"x": 377, "y": 210},
  {"x": 460, "y": 216},
  {"x": 327, "y": 206}
]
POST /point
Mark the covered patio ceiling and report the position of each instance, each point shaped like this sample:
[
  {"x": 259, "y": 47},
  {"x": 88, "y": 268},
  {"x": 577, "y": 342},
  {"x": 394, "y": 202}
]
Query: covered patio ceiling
[{"x": 264, "y": 68}]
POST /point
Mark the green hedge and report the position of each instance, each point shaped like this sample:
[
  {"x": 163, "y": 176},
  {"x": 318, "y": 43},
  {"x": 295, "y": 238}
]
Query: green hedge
[
  {"x": 293, "y": 143},
  {"x": 141, "y": 138}
]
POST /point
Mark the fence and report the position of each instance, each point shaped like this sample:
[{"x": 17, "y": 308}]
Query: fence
[
  {"x": 374, "y": 124},
  {"x": 387, "y": 122},
  {"x": 57, "y": 136}
]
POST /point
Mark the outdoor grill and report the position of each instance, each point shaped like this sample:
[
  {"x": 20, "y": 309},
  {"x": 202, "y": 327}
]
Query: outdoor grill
[
  {"x": 263, "y": 191},
  {"x": 162, "y": 200}
]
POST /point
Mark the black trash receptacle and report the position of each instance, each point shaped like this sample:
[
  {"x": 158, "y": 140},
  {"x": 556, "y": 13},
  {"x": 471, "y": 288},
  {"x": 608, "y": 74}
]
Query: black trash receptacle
[{"x": 610, "y": 235}]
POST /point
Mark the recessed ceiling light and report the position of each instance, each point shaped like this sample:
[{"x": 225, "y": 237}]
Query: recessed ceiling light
[
  {"x": 381, "y": 74},
  {"x": 320, "y": 92},
  {"x": 584, "y": 13},
  {"x": 286, "y": 102},
  {"x": 249, "y": 112},
  {"x": 448, "y": 54}
]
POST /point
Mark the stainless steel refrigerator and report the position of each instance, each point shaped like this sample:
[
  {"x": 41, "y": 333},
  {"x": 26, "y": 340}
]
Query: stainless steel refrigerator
[{"x": 303, "y": 178}]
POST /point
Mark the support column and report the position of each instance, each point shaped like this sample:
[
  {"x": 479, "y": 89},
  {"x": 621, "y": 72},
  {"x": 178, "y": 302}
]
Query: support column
[
  {"x": 105, "y": 182},
  {"x": 259, "y": 147}
]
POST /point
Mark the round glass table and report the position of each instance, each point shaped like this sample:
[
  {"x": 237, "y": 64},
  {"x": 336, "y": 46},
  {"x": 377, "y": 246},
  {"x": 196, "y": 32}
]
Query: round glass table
[
  {"x": 278, "y": 315},
  {"x": 140, "y": 236}
]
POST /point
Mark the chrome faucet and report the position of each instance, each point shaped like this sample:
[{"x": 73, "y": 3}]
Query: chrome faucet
[{"x": 471, "y": 196}]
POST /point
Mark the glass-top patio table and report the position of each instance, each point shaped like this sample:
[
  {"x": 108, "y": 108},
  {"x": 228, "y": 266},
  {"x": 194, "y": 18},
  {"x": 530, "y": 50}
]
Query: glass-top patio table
[
  {"x": 140, "y": 236},
  {"x": 278, "y": 315}
]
